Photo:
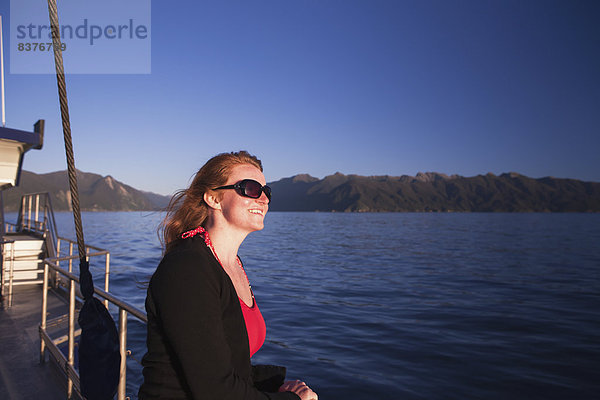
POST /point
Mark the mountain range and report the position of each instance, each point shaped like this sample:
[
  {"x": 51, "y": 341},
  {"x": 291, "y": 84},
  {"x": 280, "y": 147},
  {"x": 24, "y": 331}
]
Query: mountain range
[
  {"x": 425, "y": 192},
  {"x": 96, "y": 193},
  {"x": 431, "y": 191}
]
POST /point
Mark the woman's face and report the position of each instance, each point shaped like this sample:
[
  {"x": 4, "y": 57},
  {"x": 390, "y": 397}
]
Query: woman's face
[{"x": 241, "y": 212}]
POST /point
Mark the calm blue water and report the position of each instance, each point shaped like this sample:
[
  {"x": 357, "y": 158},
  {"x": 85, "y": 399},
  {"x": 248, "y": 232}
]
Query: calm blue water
[{"x": 405, "y": 306}]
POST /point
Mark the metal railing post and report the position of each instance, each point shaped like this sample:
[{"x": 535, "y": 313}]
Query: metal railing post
[
  {"x": 106, "y": 276},
  {"x": 70, "y": 259},
  {"x": 37, "y": 210},
  {"x": 71, "y": 351},
  {"x": 3, "y": 274},
  {"x": 4, "y": 265},
  {"x": 57, "y": 262},
  {"x": 29, "y": 213},
  {"x": 11, "y": 273},
  {"x": 44, "y": 314},
  {"x": 22, "y": 212},
  {"x": 123, "y": 351}
]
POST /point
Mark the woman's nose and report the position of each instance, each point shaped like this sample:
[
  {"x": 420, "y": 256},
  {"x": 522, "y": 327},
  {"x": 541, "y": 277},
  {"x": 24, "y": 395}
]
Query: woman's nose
[{"x": 263, "y": 198}]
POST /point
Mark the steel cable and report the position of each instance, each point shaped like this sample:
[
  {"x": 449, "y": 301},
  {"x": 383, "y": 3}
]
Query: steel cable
[
  {"x": 99, "y": 347},
  {"x": 64, "y": 111}
]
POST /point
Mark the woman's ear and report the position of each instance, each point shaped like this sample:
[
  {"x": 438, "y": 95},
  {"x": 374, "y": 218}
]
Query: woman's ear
[{"x": 211, "y": 200}]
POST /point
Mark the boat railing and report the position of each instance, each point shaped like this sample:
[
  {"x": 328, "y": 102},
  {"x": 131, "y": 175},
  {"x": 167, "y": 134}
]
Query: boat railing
[
  {"x": 8, "y": 252},
  {"x": 91, "y": 251},
  {"x": 37, "y": 216},
  {"x": 68, "y": 361},
  {"x": 11, "y": 268}
]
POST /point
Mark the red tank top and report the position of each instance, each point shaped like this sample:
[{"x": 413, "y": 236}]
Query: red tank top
[{"x": 255, "y": 325}]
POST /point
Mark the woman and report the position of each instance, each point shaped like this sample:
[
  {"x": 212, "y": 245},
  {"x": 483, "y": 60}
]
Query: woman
[{"x": 203, "y": 321}]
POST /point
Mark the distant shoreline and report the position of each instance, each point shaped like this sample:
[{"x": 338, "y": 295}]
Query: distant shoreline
[{"x": 428, "y": 192}]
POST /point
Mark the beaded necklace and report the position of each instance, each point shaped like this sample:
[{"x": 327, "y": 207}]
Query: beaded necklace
[{"x": 204, "y": 233}]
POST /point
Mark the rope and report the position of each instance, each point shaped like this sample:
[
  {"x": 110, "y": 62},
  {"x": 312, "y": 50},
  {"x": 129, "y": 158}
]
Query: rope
[
  {"x": 99, "y": 353},
  {"x": 64, "y": 111}
]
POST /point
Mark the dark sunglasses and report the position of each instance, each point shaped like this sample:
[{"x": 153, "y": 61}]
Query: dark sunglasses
[{"x": 249, "y": 188}]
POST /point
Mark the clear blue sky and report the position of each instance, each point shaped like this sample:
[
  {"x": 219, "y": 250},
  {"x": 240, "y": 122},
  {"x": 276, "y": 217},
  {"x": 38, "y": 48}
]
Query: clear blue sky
[{"x": 368, "y": 87}]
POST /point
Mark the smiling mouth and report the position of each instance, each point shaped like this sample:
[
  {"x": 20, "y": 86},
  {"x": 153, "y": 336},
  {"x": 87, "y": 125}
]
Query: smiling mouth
[{"x": 258, "y": 212}]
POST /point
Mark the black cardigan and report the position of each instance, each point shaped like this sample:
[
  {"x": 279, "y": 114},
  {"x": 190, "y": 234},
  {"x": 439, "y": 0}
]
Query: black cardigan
[{"x": 197, "y": 339}]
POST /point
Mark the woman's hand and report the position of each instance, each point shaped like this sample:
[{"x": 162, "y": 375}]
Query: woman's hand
[{"x": 300, "y": 388}]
